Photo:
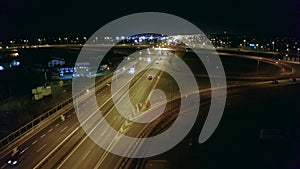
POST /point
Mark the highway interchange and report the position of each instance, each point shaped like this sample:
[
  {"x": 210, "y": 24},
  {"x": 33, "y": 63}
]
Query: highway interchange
[{"x": 79, "y": 151}]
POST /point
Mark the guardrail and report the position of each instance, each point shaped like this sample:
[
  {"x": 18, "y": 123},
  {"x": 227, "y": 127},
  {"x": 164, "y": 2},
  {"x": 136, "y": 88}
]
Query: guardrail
[
  {"x": 49, "y": 113},
  {"x": 156, "y": 126},
  {"x": 49, "y": 158},
  {"x": 147, "y": 131}
]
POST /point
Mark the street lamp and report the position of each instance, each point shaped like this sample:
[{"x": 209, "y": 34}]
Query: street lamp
[
  {"x": 273, "y": 43},
  {"x": 66, "y": 40},
  {"x": 26, "y": 42},
  {"x": 257, "y": 68},
  {"x": 298, "y": 53},
  {"x": 244, "y": 42},
  {"x": 256, "y": 49}
]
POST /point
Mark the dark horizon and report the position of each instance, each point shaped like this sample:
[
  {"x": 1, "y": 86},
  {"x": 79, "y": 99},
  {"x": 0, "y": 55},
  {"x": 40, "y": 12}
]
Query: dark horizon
[{"x": 32, "y": 18}]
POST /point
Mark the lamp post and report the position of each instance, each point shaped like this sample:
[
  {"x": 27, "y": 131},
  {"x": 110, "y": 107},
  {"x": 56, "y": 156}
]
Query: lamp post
[
  {"x": 244, "y": 43},
  {"x": 66, "y": 40},
  {"x": 273, "y": 43},
  {"x": 256, "y": 49},
  {"x": 40, "y": 41},
  {"x": 96, "y": 40},
  {"x": 207, "y": 62},
  {"x": 298, "y": 54},
  {"x": 257, "y": 67},
  {"x": 26, "y": 42}
]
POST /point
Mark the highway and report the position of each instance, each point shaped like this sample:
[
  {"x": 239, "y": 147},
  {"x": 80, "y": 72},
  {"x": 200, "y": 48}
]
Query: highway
[
  {"x": 81, "y": 152},
  {"x": 238, "y": 141},
  {"x": 49, "y": 138},
  {"x": 89, "y": 155}
]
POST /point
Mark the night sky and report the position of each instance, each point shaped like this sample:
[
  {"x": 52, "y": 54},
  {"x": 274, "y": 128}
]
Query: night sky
[{"x": 39, "y": 18}]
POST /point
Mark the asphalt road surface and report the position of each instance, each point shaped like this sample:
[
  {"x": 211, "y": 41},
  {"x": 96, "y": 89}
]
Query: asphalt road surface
[
  {"x": 236, "y": 142},
  {"x": 260, "y": 128}
]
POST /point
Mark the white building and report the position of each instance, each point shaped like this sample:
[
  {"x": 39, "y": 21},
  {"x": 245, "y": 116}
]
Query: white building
[{"x": 56, "y": 61}]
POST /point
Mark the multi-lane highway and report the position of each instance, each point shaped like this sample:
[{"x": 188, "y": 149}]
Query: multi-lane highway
[
  {"x": 49, "y": 139},
  {"x": 87, "y": 154},
  {"x": 64, "y": 144}
]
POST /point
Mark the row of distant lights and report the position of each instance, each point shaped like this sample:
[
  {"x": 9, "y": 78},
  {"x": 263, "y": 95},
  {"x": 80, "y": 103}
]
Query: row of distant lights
[
  {"x": 196, "y": 36},
  {"x": 273, "y": 43},
  {"x": 256, "y": 45},
  {"x": 96, "y": 38}
]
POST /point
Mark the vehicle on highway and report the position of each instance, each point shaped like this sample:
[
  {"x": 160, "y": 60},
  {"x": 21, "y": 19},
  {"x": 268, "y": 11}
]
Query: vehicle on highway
[
  {"x": 275, "y": 82},
  {"x": 15, "y": 159},
  {"x": 149, "y": 77},
  {"x": 292, "y": 79}
]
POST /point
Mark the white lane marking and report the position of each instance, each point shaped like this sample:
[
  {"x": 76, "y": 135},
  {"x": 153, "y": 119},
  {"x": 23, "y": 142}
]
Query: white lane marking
[
  {"x": 4, "y": 166},
  {"x": 103, "y": 132},
  {"x": 34, "y": 142},
  {"x": 41, "y": 148},
  {"x": 50, "y": 130},
  {"x": 64, "y": 129},
  {"x": 43, "y": 135},
  {"x": 86, "y": 155},
  {"x": 55, "y": 149},
  {"x": 80, "y": 143},
  {"x": 24, "y": 150},
  {"x": 57, "y": 125}
]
